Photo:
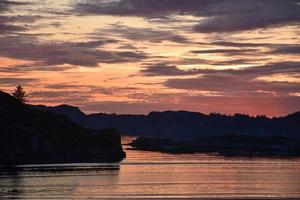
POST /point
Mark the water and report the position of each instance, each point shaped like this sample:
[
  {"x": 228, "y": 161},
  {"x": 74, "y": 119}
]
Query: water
[{"x": 156, "y": 175}]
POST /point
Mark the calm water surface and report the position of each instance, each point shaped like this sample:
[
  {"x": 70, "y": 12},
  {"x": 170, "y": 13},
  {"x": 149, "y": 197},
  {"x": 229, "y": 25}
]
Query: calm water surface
[{"x": 156, "y": 175}]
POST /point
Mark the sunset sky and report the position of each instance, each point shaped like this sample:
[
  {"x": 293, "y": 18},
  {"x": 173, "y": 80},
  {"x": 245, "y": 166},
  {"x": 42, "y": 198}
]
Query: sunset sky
[{"x": 136, "y": 56}]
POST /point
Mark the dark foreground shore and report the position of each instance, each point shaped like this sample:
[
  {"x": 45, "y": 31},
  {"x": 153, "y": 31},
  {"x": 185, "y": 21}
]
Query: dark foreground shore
[{"x": 53, "y": 158}]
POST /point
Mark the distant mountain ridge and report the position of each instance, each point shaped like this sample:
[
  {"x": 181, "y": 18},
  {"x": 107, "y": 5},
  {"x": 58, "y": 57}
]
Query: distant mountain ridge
[
  {"x": 71, "y": 112},
  {"x": 183, "y": 124}
]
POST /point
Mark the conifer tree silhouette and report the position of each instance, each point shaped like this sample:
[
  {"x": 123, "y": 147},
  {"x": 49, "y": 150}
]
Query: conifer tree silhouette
[{"x": 20, "y": 94}]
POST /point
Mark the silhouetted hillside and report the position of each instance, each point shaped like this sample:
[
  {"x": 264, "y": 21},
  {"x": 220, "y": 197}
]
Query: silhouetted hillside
[
  {"x": 182, "y": 124},
  {"x": 35, "y": 136}
]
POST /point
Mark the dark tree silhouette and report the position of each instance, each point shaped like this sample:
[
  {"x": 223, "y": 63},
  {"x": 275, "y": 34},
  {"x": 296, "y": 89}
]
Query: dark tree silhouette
[{"x": 20, "y": 94}]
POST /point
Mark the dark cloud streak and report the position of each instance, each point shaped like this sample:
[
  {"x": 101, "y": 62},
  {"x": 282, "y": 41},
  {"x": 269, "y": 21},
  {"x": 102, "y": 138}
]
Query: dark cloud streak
[
  {"x": 9, "y": 81},
  {"x": 145, "y": 34},
  {"x": 53, "y": 54},
  {"x": 220, "y": 15}
]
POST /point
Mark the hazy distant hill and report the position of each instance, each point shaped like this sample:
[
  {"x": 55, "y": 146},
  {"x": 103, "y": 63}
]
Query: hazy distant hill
[
  {"x": 33, "y": 136},
  {"x": 183, "y": 124}
]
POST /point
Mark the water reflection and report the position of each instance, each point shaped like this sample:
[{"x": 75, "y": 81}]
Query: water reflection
[
  {"x": 51, "y": 181},
  {"x": 156, "y": 175},
  {"x": 13, "y": 186}
]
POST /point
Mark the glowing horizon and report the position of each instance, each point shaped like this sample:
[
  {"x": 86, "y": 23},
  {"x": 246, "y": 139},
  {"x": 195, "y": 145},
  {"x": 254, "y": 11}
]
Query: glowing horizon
[{"x": 138, "y": 56}]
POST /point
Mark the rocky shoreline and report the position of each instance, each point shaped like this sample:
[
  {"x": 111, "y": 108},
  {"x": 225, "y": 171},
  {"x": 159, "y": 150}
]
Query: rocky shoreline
[{"x": 226, "y": 145}]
